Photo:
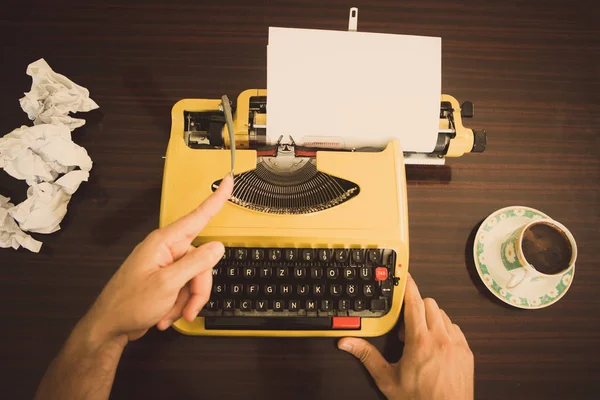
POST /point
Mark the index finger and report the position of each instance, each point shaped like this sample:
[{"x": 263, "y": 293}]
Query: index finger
[
  {"x": 414, "y": 311},
  {"x": 187, "y": 227}
]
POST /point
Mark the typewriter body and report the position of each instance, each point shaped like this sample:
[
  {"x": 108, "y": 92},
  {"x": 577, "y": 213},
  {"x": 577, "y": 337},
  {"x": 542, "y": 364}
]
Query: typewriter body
[{"x": 317, "y": 240}]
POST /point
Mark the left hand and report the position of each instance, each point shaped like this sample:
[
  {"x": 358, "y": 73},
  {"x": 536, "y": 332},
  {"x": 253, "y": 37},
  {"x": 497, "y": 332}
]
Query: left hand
[
  {"x": 163, "y": 278},
  {"x": 436, "y": 363}
]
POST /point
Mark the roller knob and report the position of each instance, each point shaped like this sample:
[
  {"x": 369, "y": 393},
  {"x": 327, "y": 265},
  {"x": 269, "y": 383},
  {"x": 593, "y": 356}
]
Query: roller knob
[
  {"x": 479, "y": 141},
  {"x": 467, "y": 110}
]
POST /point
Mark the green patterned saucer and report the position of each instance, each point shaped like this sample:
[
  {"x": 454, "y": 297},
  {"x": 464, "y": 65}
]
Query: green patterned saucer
[{"x": 486, "y": 251}]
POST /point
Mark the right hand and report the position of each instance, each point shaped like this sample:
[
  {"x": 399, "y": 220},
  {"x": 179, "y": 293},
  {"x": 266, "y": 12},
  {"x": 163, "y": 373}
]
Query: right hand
[
  {"x": 436, "y": 363},
  {"x": 164, "y": 277}
]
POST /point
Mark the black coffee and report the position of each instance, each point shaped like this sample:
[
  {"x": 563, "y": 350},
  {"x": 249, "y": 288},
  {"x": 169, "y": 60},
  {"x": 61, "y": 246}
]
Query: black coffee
[{"x": 546, "y": 248}]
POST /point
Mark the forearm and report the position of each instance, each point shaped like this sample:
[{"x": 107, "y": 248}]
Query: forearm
[{"x": 85, "y": 367}]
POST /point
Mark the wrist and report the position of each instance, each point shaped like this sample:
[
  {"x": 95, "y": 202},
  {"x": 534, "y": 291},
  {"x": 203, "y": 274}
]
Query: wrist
[{"x": 91, "y": 333}]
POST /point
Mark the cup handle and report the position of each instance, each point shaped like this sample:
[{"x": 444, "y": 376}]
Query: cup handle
[{"x": 515, "y": 280}]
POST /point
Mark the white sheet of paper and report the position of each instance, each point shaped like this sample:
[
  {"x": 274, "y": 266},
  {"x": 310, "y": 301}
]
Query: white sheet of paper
[
  {"x": 53, "y": 96},
  {"x": 10, "y": 233},
  {"x": 46, "y": 203},
  {"x": 41, "y": 153},
  {"x": 353, "y": 89},
  {"x": 45, "y": 156}
]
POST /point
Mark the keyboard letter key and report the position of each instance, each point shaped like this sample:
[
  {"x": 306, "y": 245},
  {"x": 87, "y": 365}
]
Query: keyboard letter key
[
  {"x": 366, "y": 273},
  {"x": 212, "y": 305},
  {"x": 232, "y": 272},
  {"x": 269, "y": 289},
  {"x": 278, "y": 305},
  {"x": 249, "y": 272},
  {"x": 228, "y": 305},
  {"x": 299, "y": 272},
  {"x": 261, "y": 305},
  {"x": 219, "y": 288},
  {"x": 303, "y": 289},
  {"x": 285, "y": 289},
  {"x": 237, "y": 289},
  {"x": 246, "y": 305},
  {"x": 265, "y": 272},
  {"x": 318, "y": 289},
  {"x": 316, "y": 272},
  {"x": 282, "y": 272},
  {"x": 335, "y": 290},
  {"x": 349, "y": 273},
  {"x": 332, "y": 273},
  {"x": 294, "y": 305},
  {"x": 252, "y": 289},
  {"x": 351, "y": 290}
]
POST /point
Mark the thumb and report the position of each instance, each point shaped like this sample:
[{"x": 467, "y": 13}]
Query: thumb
[
  {"x": 378, "y": 367},
  {"x": 195, "y": 262}
]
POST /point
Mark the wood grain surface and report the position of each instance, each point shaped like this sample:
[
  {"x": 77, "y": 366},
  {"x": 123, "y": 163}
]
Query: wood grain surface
[{"x": 530, "y": 67}]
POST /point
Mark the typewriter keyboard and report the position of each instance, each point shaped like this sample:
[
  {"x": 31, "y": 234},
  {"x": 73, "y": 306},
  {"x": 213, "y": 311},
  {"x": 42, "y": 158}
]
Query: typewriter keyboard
[{"x": 299, "y": 289}]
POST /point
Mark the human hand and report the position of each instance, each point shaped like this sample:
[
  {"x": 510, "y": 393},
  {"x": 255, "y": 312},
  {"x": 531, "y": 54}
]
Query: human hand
[
  {"x": 436, "y": 363},
  {"x": 163, "y": 278}
]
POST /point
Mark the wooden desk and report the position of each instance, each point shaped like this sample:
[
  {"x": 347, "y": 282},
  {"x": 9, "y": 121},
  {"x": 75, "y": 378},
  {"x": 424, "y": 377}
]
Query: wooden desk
[{"x": 530, "y": 68}]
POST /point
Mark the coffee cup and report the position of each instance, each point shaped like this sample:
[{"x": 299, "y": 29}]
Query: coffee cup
[{"x": 538, "y": 250}]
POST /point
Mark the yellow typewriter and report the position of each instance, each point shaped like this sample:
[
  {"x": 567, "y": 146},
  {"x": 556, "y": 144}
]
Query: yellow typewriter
[{"x": 316, "y": 239}]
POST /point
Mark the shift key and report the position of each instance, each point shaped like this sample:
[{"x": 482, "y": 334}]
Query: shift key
[{"x": 378, "y": 305}]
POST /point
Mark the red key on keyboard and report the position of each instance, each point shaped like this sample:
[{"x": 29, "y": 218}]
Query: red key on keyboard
[
  {"x": 381, "y": 274},
  {"x": 346, "y": 323}
]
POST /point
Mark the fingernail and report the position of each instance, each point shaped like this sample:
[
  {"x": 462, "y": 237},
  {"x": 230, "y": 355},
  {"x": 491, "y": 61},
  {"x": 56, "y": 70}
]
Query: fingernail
[{"x": 346, "y": 346}]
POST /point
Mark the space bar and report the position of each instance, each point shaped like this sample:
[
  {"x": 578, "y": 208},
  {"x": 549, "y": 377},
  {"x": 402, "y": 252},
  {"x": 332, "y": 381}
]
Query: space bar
[{"x": 269, "y": 324}]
